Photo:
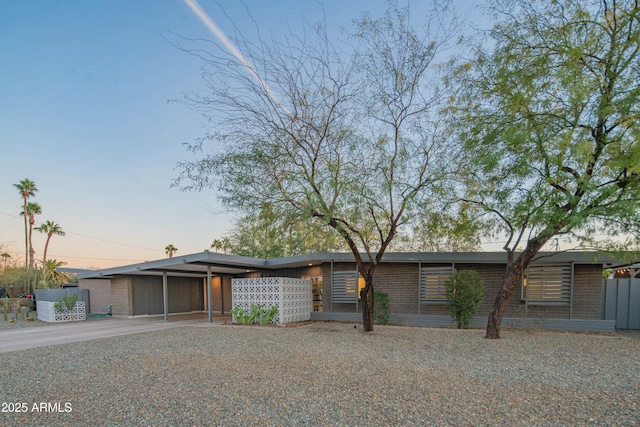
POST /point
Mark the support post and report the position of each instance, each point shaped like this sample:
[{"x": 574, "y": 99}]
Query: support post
[
  {"x": 419, "y": 286},
  {"x": 571, "y": 292},
  {"x": 209, "y": 296},
  {"x": 165, "y": 296}
]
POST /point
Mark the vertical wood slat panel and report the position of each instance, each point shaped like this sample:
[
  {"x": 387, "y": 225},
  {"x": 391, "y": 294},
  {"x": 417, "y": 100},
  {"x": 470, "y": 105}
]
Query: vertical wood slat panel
[
  {"x": 432, "y": 280},
  {"x": 344, "y": 286}
]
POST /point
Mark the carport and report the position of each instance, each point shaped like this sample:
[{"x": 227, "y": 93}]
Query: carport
[{"x": 204, "y": 266}]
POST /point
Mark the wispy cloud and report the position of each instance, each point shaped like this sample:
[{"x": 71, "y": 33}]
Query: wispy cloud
[{"x": 220, "y": 35}]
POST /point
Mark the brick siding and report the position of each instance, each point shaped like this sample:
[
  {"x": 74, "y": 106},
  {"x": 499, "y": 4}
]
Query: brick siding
[
  {"x": 587, "y": 292},
  {"x": 121, "y": 295},
  {"x": 400, "y": 282}
]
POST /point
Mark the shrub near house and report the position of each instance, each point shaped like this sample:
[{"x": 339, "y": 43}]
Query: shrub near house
[{"x": 465, "y": 292}]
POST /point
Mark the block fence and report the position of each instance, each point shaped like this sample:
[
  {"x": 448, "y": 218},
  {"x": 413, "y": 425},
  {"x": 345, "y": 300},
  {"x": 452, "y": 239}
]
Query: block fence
[
  {"x": 293, "y": 297},
  {"x": 48, "y": 313}
]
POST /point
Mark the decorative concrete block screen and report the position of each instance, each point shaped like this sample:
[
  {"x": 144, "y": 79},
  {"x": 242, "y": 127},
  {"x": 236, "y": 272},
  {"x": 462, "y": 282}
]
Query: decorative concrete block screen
[
  {"x": 293, "y": 297},
  {"x": 48, "y": 313}
]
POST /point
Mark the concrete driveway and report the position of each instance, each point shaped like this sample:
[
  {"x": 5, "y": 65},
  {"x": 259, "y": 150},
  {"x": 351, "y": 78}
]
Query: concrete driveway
[{"x": 40, "y": 336}]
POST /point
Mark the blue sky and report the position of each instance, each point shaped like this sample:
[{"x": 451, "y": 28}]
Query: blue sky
[{"x": 84, "y": 113}]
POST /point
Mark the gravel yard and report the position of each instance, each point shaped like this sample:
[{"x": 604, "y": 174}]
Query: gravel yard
[{"x": 328, "y": 374}]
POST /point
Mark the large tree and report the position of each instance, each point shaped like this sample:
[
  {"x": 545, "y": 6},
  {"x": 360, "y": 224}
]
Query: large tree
[
  {"x": 31, "y": 211},
  {"x": 549, "y": 117},
  {"x": 49, "y": 228},
  {"x": 27, "y": 188},
  {"x": 265, "y": 234},
  {"x": 446, "y": 230},
  {"x": 345, "y": 137}
]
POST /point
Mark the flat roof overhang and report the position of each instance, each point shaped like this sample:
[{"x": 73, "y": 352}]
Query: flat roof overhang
[
  {"x": 193, "y": 265},
  {"x": 196, "y": 265}
]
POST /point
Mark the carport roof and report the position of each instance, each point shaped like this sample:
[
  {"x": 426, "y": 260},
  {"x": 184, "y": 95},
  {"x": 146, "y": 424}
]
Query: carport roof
[{"x": 195, "y": 265}]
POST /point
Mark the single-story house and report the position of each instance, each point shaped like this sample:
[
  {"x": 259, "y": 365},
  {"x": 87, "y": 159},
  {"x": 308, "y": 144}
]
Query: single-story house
[{"x": 563, "y": 290}]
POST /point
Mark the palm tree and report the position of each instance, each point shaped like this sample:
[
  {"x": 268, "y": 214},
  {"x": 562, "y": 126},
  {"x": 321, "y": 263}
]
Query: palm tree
[
  {"x": 170, "y": 249},
  {"x": 226, "y": 245},
  {"x": 50, "y": 228},
  {"x": 32, "y": 210},
  {"x": 6, "y": 257},
  {"x": 221, "y": 245},
  {"x": 54, "y": 276},
  {"x": 216, "y": 245},
  {"x": 27, "y": 188}
]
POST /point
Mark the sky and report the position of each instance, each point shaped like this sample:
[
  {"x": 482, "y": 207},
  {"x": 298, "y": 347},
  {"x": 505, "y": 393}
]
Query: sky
[{"x": 85, "y": 113}]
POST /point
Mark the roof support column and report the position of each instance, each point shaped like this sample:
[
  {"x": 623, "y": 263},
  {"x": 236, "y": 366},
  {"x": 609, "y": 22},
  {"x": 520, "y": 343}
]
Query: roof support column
[
  {"x": 165, "y": 296},
  {"x": 209, "y": 296}
]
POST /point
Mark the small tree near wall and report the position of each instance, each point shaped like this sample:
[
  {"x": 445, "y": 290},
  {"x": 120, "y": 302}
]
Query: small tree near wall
[{"x": 465, "y": 292}]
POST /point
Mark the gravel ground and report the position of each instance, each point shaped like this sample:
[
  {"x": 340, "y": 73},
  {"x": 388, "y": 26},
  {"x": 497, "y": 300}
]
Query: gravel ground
[
  {"x": 21, "y": 323},
  {"x": 328, "y": 374}
]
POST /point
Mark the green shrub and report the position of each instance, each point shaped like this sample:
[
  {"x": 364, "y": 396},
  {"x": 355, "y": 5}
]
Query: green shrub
[
  {"x": 240, "y": 315},
  {"x": 66, "y": 303},
  {"x": 258, "y": 314},
  {"x": 267, "y": 315},
  {"x": 380, "y": 308},
  {"x": 17, "y": 305},
  {"x": 465, "y": 292}
]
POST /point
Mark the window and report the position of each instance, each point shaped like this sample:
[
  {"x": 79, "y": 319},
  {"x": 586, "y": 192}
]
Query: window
[
  {"x": 432, "y": 280},
  {"x": 345, "y": 286},
  {"x": 547, "y": 284}
]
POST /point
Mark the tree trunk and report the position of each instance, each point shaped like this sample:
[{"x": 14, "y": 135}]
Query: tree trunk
[
  {"x": 32, "y": 253},
  {"x": 44, "y": 260},
  {"x": 32, "y": 221},
  {"x": 26, "y": 234},
  {"x": 512, "y": 278},
  {"x": 366, "y": 297}
]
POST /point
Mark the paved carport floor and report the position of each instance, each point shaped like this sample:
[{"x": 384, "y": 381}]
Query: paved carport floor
[{"x": 41, "y": 336}]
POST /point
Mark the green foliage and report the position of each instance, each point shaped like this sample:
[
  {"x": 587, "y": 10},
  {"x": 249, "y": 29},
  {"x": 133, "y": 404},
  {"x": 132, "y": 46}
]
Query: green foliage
[
  {"x": 66, "y": 303},
  {"x": 548, "y": 115},
  {"x": 15, "y": 280},
  {"x": 49, "y": 228},
  {"x": 443, "y": 231},
  {"x": 258, "y": 314},
  {"x": 55, "y": 278},
  {"x": 17, "y": 305},
  {"x": 170, "y": 250},
  {"x": 269, "y": 233},
  {"x": 267, "y": 315},
  {"x": 241, "y": 316},
  {"x": 381, "y": 308},
  {"x": 349, "y": 136},
  {"x": 465, "y": 292},
  {"x": 550, "y": 120}
]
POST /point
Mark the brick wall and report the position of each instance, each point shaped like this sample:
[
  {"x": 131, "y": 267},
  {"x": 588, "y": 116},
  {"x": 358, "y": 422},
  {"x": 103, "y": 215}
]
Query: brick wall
[
  {"x": 587, "y": 292},
  {"x": 400, "y": 281},
  {"x": 226, "y": 294},
  {"x": 121, "y": 295},
  {"x": 99, "y": 294}
]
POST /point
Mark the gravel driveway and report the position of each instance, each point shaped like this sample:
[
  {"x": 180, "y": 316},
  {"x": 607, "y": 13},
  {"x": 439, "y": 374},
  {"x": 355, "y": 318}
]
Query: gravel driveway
[{"x": 327, "y": 374}]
